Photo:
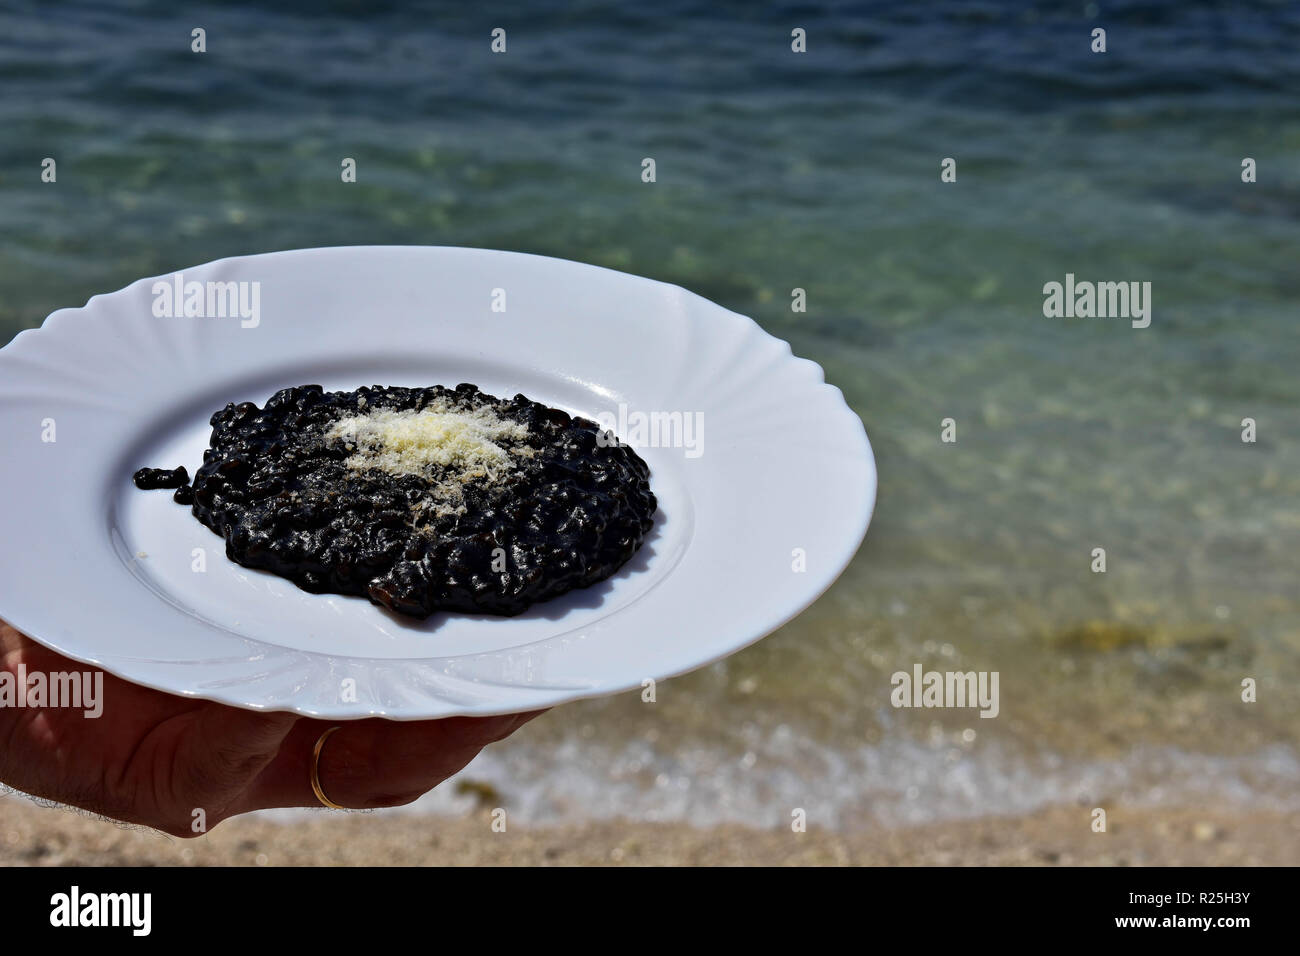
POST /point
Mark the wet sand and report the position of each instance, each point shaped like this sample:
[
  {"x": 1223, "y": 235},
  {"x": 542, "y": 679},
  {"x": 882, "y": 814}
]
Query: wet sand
[{"x": 32, "y": 835}]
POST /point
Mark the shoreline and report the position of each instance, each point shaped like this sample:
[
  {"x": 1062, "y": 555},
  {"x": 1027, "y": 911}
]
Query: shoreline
[{"x": 34, "y": 835}]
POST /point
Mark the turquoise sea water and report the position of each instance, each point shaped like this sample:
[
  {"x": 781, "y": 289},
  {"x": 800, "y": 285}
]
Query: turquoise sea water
[{"x": 819, "y": 171}]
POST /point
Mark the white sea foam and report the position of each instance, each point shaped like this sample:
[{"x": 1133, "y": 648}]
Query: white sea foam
[{"x": 890, "y": 785}]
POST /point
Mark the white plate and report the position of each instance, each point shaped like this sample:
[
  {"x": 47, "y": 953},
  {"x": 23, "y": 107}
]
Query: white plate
[{"x": 783, "y": 469}]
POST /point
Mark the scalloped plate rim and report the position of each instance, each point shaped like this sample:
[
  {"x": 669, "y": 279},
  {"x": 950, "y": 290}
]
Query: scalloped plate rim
[{"x": 69, "y": 320}]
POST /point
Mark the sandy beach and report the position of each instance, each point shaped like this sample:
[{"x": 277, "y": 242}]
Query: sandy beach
[{"x": 32, "y": 835}]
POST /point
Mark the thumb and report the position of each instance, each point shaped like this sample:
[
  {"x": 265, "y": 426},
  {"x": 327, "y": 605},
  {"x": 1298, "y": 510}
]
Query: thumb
[{"x": 224, "y": 752}]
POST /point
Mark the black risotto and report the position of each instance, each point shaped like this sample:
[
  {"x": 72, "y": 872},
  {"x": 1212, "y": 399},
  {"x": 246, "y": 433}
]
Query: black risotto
[{"x": 422, "y": 499}]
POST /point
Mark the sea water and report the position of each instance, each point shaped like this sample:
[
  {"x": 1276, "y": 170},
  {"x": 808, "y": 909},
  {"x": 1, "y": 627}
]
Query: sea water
[{"x": 1013, "y": 442}]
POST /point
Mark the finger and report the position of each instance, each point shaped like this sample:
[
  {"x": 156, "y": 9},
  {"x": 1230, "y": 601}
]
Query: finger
[
  {"x": 376, "y": 762},
  {"x": 500, "y": 728},
  {"x": 468, "y": 730},
  {"x": 530, "y": 715},
  {"x": 224, "y": 752}
]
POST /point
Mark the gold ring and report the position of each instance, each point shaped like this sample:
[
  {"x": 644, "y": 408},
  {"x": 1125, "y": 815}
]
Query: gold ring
[{"x": 315, "y": 772}]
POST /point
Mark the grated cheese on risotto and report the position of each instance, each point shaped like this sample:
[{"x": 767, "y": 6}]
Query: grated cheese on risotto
[{"x": 408, "y": 442}]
